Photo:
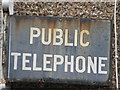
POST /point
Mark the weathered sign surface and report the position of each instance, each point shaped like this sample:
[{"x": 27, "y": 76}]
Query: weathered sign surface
[{"x": 70, "y": 50}]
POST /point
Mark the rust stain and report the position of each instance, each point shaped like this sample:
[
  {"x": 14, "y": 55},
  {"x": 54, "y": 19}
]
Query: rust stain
[
  {"x": 19, "y": 23},
  {"x": 85, "y": 25},
  {"x": 68, "y": 26},
  {"x": 95, "y": 25}
]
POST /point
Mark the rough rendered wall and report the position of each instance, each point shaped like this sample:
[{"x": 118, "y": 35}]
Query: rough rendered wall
[
  {"x": 68, "y": 9},
  {"x": 118, "y": 31}
]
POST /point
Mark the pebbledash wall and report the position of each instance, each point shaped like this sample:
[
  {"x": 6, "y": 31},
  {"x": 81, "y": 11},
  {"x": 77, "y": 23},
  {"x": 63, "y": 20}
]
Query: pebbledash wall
[{"x": 103, "y": 10}]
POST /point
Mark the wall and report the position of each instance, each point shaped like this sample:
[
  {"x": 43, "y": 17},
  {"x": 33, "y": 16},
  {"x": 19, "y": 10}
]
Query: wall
[{"x": 68, "y": 9}]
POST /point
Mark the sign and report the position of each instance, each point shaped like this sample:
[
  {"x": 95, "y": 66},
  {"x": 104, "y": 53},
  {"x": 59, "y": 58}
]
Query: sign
[{"x": 71, "y": 50}]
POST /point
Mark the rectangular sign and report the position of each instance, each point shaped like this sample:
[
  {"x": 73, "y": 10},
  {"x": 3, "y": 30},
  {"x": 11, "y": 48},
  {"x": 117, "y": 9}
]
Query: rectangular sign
[{"x": 70, "y": 50}]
